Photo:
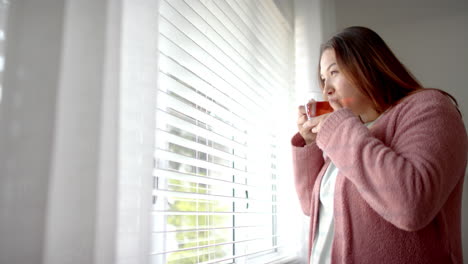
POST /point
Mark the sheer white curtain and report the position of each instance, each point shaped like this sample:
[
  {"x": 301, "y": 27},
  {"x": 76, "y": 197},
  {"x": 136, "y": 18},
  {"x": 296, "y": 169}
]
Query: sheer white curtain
[
  {"x": 137, "y": 105},
  {"x": 72, "y": 159},
  {"x": 314, "y": 22}
]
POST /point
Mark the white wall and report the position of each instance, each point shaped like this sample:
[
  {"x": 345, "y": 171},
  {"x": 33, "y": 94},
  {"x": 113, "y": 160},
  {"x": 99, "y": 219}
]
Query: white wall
[{"x": 430, "y": 38}]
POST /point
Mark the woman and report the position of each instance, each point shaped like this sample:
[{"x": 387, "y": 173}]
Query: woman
[{"x": 382, "y": 175}]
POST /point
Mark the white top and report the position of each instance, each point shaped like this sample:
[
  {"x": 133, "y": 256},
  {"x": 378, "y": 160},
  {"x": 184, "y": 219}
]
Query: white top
[{"x": 321, "y": 249}]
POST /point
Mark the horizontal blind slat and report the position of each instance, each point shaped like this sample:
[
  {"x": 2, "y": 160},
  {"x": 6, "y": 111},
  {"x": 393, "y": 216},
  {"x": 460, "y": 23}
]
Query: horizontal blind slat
[
  {"x": 257, "y": 17},
  {"x": 171, "y": 32},
  {"x": 172, "y": 213},
  {"x": 168, "y": 137},
  {"x": 235, "y": 13},
  {"x": 169, "y": 84},
  {"x": 247, "y": 54},
  {"x": 207, "y": 197},
  {"x": 166, "y": 174},
  {"x": 164, "y": 118},
  {"x": 172, "y": 69},
  {"x": 209, "y": 229},
  {"x": 167, "y": 155},
  {"x": 256, "y": 51},
  {"x": 207, "y": 246},
  {"x": 217, "y": 125},
  {"x": 210, "y": 71},
  {"x": 246, "y": 35},
  {"x": 202, "y": 33},
  {"x": 242, "y": 255},
  {"x": 241, "y": 175},
  {"x": 276, "y": 18},
  {"x": 231, "y": 257}
]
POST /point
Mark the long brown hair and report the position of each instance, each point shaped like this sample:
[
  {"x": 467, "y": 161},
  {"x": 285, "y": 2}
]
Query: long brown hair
[{"x": 367, "y": 61}]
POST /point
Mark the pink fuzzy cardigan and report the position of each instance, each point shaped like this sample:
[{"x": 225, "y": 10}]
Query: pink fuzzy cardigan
[{"x": 399, "y": 188}]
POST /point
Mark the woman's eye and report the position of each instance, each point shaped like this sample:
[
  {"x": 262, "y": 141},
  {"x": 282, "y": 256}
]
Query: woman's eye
[{"x": 333, "y": 73}]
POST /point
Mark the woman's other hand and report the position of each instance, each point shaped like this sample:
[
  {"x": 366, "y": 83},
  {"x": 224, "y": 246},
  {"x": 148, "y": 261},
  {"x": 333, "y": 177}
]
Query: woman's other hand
[
  {"x": 304, "y": 126},
  {"x": 309, "y": 128}
]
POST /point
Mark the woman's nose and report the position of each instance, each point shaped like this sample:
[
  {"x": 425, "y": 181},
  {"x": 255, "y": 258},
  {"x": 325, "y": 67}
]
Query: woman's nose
[{"x": 328, "y": 90}]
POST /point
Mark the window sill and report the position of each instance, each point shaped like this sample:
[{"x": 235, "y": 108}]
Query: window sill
[{"x": 287, "y": 260}]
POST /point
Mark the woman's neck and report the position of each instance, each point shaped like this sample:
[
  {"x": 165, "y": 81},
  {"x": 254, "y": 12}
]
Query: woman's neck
[{"x": 369, "y": 116}]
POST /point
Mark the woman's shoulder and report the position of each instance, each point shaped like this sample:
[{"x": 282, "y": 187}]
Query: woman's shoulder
[
  {"x": 428, "y": 94},
  {"x": 424, "y": 104},
  {"x": 428, "y": 98}
]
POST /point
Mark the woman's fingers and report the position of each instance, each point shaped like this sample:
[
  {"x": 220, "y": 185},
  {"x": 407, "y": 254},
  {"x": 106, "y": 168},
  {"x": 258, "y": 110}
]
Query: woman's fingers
[
  {"x": 308, "y": 128},
  {"x": 301, "y": 116},
  {"x": 301, "y": 110},
  {"x": 316, "y": 123},
  {"x": 300, "y": 122},
  {"x": 306, "y": 133}
]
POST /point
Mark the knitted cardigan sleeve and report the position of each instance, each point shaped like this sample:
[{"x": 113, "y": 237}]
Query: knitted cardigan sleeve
[
  {"x": 307, "y": 163},
  {"x": 407, "y": 180}
]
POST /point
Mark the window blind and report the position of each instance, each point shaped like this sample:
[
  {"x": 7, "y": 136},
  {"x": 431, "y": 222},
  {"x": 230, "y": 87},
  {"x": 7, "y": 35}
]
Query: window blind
[{"x": 224, "y": 78}]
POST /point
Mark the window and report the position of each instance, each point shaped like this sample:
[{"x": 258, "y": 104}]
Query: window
[{"x": 224, "y": 80}]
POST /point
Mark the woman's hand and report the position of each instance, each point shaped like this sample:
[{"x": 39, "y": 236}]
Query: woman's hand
[
  {"x": 316, "y": 122},
  {"x": 309, "y": 128},
  {"x": 304, "y": 129}
]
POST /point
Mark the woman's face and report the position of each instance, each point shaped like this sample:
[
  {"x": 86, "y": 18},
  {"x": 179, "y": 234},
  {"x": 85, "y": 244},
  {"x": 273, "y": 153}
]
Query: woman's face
[{"x": 337, "y": 87}]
